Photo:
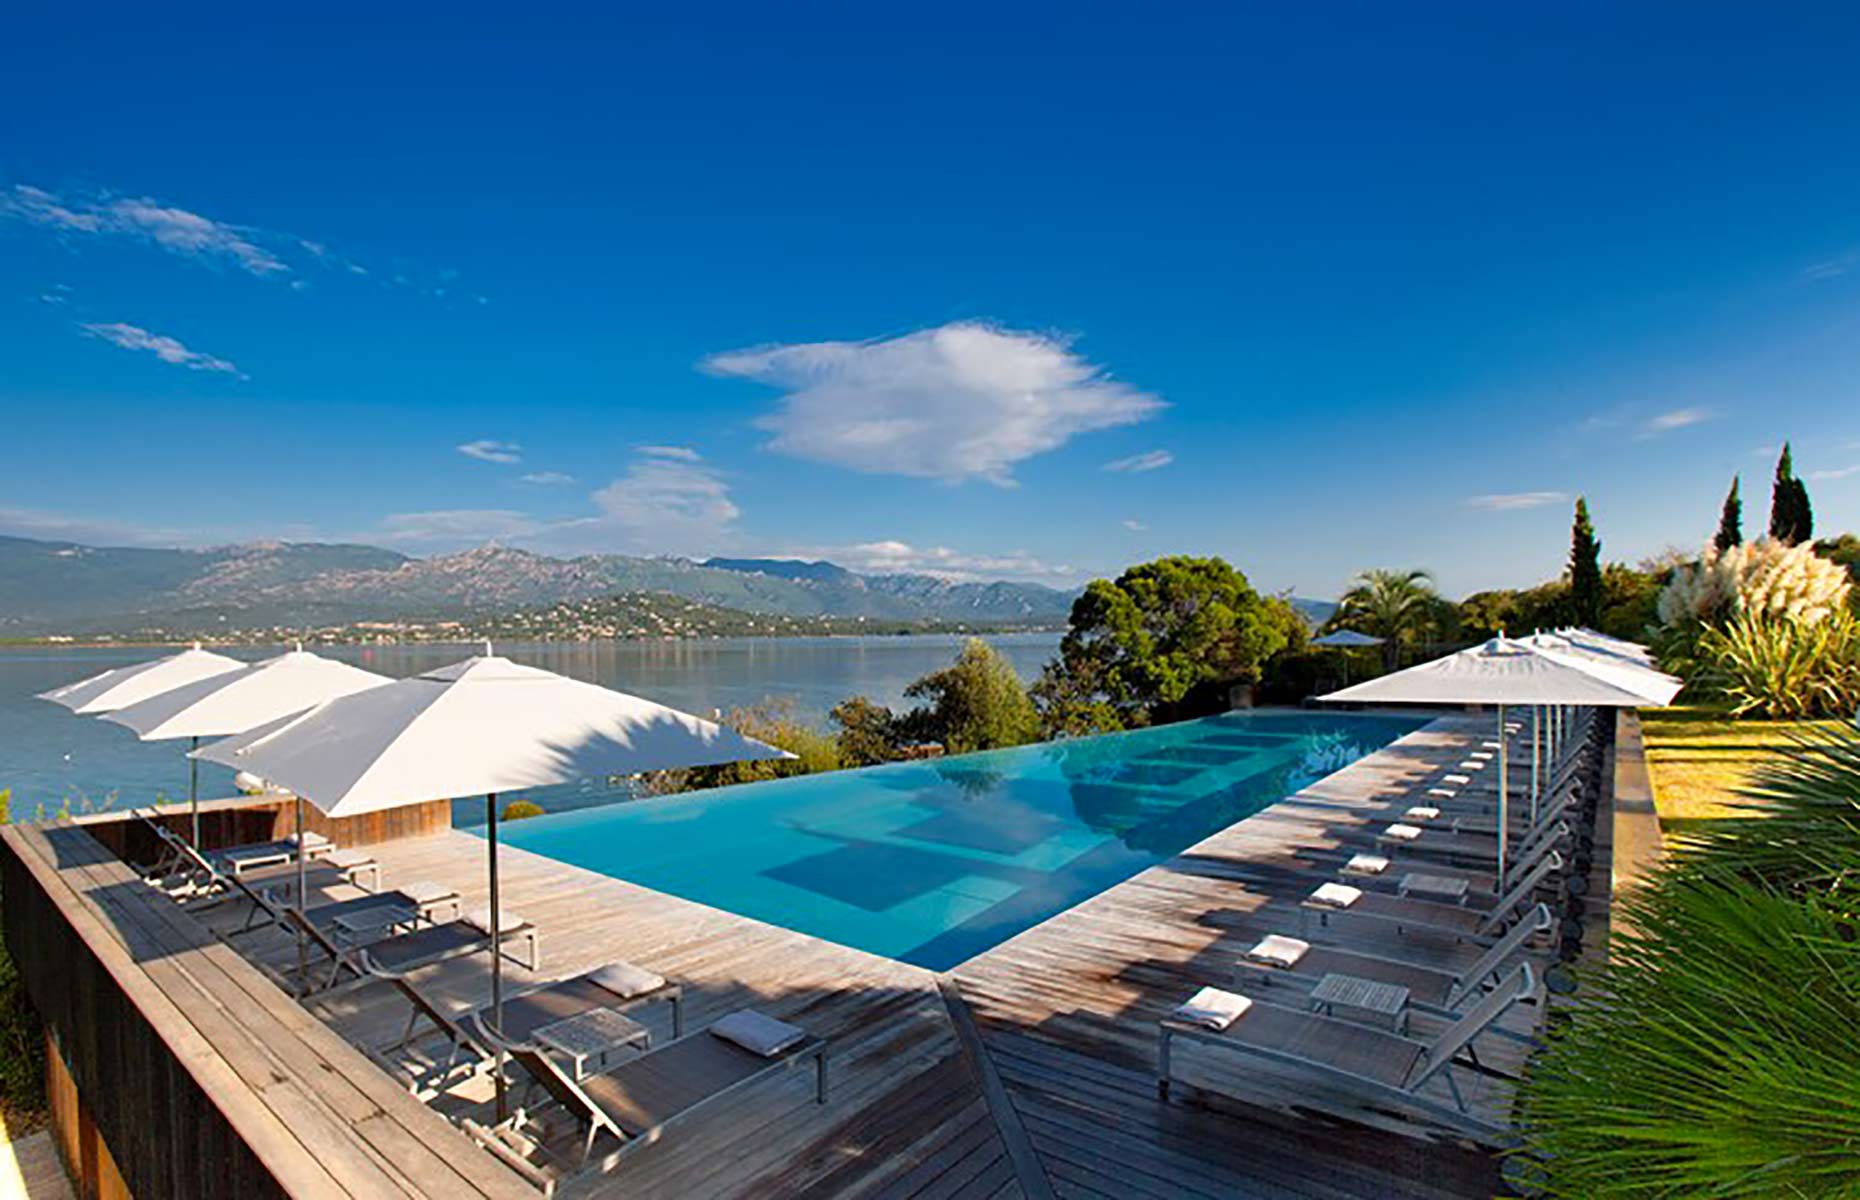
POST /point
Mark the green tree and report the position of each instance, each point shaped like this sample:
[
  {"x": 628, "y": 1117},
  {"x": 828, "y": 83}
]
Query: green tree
[
  {"x": 1162, "y": 641},
  {"x": 978, "y": 703},
  {"x": 522, "y": 810},
  {"x": 1792, "y": 519},
  {"x": 771, "y": 720},
  {"x": 1585, "y": 569},
  {"x": 868, "y": 732},
  {"x": 1844, "y": 550},
  {"x": 1730, "y": 521},
  {"x": 1397, "y": 606}
]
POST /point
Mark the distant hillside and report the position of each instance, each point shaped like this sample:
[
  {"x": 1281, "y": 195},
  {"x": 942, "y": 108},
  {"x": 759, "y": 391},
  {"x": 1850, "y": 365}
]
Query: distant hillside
[{"x": 62, "y": 587}]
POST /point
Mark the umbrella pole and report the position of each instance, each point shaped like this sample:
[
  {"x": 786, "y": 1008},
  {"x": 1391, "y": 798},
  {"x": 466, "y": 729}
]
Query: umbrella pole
[
  {"x": 303, "y": 964},
  {"x": 193, "y": 790},
  {"x": 1537, "y": 725},
  {"x": 1504, "y": 817},
  {"x": 497, "y": 955}
]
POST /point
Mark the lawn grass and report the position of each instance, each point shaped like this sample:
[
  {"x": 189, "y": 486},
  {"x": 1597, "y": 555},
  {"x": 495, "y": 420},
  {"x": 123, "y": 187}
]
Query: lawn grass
[{"x": 1699, "y": 757}]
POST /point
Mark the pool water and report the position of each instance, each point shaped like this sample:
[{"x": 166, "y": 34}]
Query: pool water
[{"x": 932, "y": 862}]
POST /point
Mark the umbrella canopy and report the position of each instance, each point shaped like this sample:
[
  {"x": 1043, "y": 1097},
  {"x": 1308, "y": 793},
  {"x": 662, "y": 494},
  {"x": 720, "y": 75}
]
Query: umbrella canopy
[
  {"x": 479, "y": 726},
  {"x": 1657, "y": 687},
  {"x": 1348, "y": 638},
  {"x": 124, "y": 686},
  {"x": 235, "y": 701},
  {"x": 1612, "y": 645},
  {"x": 1501, "y": 671}
]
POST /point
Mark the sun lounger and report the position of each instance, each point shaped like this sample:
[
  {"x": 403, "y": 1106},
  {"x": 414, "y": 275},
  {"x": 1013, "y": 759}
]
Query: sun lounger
[
  {"x": 1277, "y": 961},
  {"x": 424, "y": 900},
  {"x": 205, "y": 881},
  {"x": 400, "y": 953},
  {"x": 617, "y": 985},
  {"x": 1371, "y": 1068},
  {"x": 1408, "y": 915},
  {"x": 427, "y": 1073},
  {"x": 642, "y": 1100}
]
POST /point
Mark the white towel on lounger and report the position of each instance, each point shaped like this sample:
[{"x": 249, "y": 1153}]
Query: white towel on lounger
[
  {"x": 1443, "y": 793},
  {"x": 1460, "y": 779},
  {"x": 1277, "y": 950},
  {"x": 1336, "y": 895},
  {"x": 1421, "y": 812},
  {"x": 1366, "y": 864},
  {"x": 1402, "y": 833},
  {"x": 758, "y": 1033},
  {"x": 1213, "y": 1009}
]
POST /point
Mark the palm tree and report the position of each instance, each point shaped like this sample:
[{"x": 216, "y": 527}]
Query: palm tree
[{"x": 1396, "y": 606}]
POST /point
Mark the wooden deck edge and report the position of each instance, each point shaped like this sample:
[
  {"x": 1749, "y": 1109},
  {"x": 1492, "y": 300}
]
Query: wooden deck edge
[
  {"x": 1028, "y": 1169},
  {"x": 1637, "y": 843}
]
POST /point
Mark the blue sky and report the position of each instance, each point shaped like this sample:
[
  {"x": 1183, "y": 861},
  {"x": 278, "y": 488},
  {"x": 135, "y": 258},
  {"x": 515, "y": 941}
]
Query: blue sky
[{"x": 1032, "y": 293}]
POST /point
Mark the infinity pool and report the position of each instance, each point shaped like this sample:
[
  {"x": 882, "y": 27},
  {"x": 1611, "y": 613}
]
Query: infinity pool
[{"x": 933, "y": 862}]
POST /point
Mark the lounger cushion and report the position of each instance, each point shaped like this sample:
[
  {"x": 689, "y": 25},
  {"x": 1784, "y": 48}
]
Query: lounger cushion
[
  {"x": 311, "y": 838},
  {"x": 1336, "y": 895},
  {"x": 1214, "y": 1009},
  {"x": 1421, "y": 812},
  {"x": 424, "y": 892},
  {"x": 480, "y": 919},
  {"x": 1402, "y": 833},
  {"x": 758, "y": 1033},
  {"x": 1366, "y": 864},
  {"x": 349, "y": 860},
  {"x": 1277, "y": 950},
  {"x": 625, "y": 980}
]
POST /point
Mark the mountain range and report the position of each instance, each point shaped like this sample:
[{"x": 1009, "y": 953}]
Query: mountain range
[{"x": 65, "y": 587}]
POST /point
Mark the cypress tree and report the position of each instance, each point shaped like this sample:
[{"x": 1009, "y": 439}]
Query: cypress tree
[
  {"x": 1730, "y": 521},
  {"x": 1792, "y": 521},
  {"x": 1585, "y": 569}
]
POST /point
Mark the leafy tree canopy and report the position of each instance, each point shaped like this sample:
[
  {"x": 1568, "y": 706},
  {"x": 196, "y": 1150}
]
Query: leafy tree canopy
[
  {"x": 1162, "y": 641},
  {"x": 978, "y": 703}
]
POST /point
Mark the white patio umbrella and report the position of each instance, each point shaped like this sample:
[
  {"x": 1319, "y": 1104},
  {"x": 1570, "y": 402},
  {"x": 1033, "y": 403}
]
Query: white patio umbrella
[
  {"x": 1636, "y": 674},
  {"x": 235, "y": 701},
  {"x": 485, "y": 725},
  {"x": 1347, "y": 639},
  {"x": 123, "y": 686},
  {"x": 1502, "y": 672}
]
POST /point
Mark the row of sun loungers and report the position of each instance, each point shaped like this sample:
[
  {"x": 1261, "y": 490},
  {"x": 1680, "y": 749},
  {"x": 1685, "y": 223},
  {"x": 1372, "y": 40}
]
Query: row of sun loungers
[
  {"x": 1341, "y": 1014},
  {"x": 386, "y": 936}
]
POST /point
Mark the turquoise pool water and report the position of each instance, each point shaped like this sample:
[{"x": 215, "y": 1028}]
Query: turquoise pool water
[{"x": 933, "y": 862}]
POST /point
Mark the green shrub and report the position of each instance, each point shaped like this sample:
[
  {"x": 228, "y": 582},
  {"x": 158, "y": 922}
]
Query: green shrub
[
  {"x": 1785, "y": 668},
  {"x": 518, "y": 810}
]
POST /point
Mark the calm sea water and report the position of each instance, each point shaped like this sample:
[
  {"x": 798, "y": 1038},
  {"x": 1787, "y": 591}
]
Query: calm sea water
[
  {"x": 51, "y": 758},
  {"x": 933, "y": 862}
]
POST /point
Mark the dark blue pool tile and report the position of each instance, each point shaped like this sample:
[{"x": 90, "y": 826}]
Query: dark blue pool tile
[
  {"x": 871, "y": 875},
  {"x": 1001, "y": 829}
]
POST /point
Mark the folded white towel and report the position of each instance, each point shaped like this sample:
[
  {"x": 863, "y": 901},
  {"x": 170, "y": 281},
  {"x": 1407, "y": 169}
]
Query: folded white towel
[
  {"x": 1214, "y": 1009},
  {"x": 480, "y": 919},
  {"x": 1422, "y": 812},
  {"x": 1402, "y": 833},
  {"x": 1366, "y": 864},
  {"x": 1443, "y": 793},
  {"x": 1336, "y": 895},
  {"x": 758, "y": 1033},
  {"x": 1277, "y": 950},
  {"x": 1459, "y": 779},
  {"x": 625, "y": 980},
  {"x": 1490, "y": 745},
  {"x": 1472, "y": 764},
  {"x": 1484, "y": 754}
]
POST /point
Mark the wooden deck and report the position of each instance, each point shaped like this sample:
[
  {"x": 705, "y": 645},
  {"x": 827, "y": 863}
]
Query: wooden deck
[{"x": 1027, "y": 1071}]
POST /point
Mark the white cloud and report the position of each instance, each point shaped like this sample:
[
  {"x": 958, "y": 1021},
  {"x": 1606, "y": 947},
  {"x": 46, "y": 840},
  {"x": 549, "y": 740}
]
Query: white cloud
[
  {"x": 448, "y": 528},
  {"x": 1678, "y": 418},
  {"x": 169, "y": 350},
  {"x": 893, "y": 557},
  {"x": 963, "y": 401},
  {"x": 1512, "y": 501},
  {"x": 173, "y": 229},
  {"x": 1835, "y": 473},
  {"x": 668, "y": 505},
  {"x": 1133, "y": 525},
  {"x": 60, "y": 527},
  {"x": 681, "y": 453},
  {"x": 1149, "y": 460},
  {"x": 1831, "y": 268},
  {"x": 548, "y": 478},
  {"x": 491, "y": 450}
]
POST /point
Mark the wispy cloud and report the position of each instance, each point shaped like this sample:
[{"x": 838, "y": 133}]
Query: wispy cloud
[
  {"x": 681, "y": 453},
  {"x": 1678, "y": 418},
  {"x": 1512, "y": 501},
  {"x": 454, "y": 527},
  {"x": 1133, "y": 525},
  {"x": 1835, "y": 473},
  {"x": 169, "y": 350},
  {"x": 62, "y": 527},
  {"x": 962, "y": 401},
  {"x": 492, "y": 451},
  {"x": 897, "y": 557},
  {"x": 666, "y": 504},
  {"x": 548, "y": 478},
  {"x": 175, "y": 230},
  {"x": 1149, "y": 460},
  {"x": 1832, "y": 268}
]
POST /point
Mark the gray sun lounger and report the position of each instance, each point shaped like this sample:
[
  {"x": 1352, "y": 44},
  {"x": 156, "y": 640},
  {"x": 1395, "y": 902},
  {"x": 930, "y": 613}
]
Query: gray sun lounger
[
  {"x": 642, "y": 1100},
  {"x": 1383, "y": 1070},
  {"x": 1457, "y": 921},
  {"x": 526, "y": 1012},
  {"x": 399, "y": 953},
  {"x": 1429, "y": 989},
  {"x": 206, "y": 881},
  {"x": 420, "y": 898}
]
